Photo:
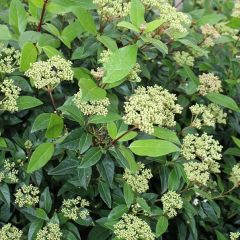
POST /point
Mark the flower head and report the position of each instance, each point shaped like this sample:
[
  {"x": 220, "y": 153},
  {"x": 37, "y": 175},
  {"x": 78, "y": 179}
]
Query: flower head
[
  {"x": 92, "y": 107},
  {"x": 9, "y": 59},
  {"x": 9, "y": 173},
  {"x": 131, "y": 227},
  {"x": 234, "y": 235},
  {"x": 207, "y": 115},
  {"x": 184, "y": 58},
  {"x": 75, "y": 208},
  {"x": 51, "y": 231},
  {"x": 235, "y": 175},
  {"x": 10, "y": 95},
  {"x": 210, "y": 33},
  {"x": 27, "y": 196},
  {"x": 171, "y": 201},
  {"x": 10, "y": 232},
  {"x": 209, "y": 83},
  {"x": 151, "y": 106},
  {"x": 236, "y": 9},
  {"x": 50, "y": 73},
  {"x": 202, "y": 147},
  {"x": 139, "y": 179}
]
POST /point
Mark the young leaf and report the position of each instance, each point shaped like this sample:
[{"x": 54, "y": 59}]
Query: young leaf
[
  {"x": 153, "y": 147},
  {"x": 42, "y": 154},
  {"x": 26, "y": 102},
  {"x": 5, "y": 34},
  {"x": 162, "y": 226},
  {"x": 90, "y": 91},
  {"x": 17, "y": 16},
  {"x": 151, "y": 26},
  {"x": 108, "y": 42},
  {"x": 28, "y": 56},
  {"x": 129, "y": 26},
  {"x": 137, "y": 13},
  {"x": 223, "y": 100},
  {"x": 55, "y": 126},
  {"x": 120, "y": 64},
  {"x": 41, "y": 122},
  {"x": 166, "y": 134}
]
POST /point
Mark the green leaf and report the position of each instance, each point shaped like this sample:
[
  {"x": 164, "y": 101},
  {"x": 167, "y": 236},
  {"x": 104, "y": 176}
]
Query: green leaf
[
  {"x": 105, "y": 193},
  {"x": 55, "y": 126},
  {"x": 191, "y": 75},
  {"x": 162, "y": 47},
  {"x": 220, "y": 236},
  {"x": 51, "y": 51},
  {"x": 236, "y": 141},
  {"x": 120, "y": 64},
  {"x": 143, "y": 204},
  {"x": 173, "y": 180},
  {"x": 46, "y": 200},
  {"x": 41, "y": 214},
  {"x": 210, "y": 19},
  {"x": 128, "y": 194},
  {"x": 166, "y": 134},
  {"x": 151, "y": 26},
  {"x": 234, "y": 23},
  {"x": 162, "y": 226},
  {"x": 17, "y": 16},
  {"x": 128, "y": 25},
  {"x": 153, "y": 147},
  {"x": 42, "y": 154},
  {"x": 28, "y": 55},
  {"x": 3, "y": 143},
  {"x": 108, "y": 42},
  {"x": 104, "y": 119},
  {"x": 91, "y": 157},
  {"x": 27, "y": 102},
  {"x": 41, "y": 122},
  {"x": 86, "y": 20},
  {"x": 117, "y": 212},
  {"x": 5, "y": 194},
  {"x": 223, "y": 100},
  {"x": 90, "y": 91},
  {"x": 5, "y": 34},
  {"x": 137, "y": 13}
]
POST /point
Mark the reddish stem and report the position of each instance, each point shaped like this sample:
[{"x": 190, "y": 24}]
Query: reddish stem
[
  {"x": 39, "y": 28},
  {"x": 125, "y": 133}
]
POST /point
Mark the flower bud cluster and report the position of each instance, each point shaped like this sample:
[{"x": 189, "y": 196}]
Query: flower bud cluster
[
  {"x": 236, "y": 9},
  {"x": 184, "y": 58},
  {"x": 48, "y": 74},
  {"x": 171, "y": 201},
  {"x": 8, "y": 172},
  {"x": 209, "y": 83},
  {"x": 234, "y": 235},
  {"x": 27, "y": 196},
  {"x": 51, "y": 231},
  {"x": 139, "y": 179},
  {"x": 9, "y": 59},
  {"x": 151, "y": 106},
  {"x": 10, "y": 232},
  {"x": 131, "y": 227},
  {"x": 210, "y": 35},
  {"x": 235, "y": 175},
  {"x": 75, "y": 208},
  {"x": 10, "y": 96},
  {"x": 207, "y": 115}
]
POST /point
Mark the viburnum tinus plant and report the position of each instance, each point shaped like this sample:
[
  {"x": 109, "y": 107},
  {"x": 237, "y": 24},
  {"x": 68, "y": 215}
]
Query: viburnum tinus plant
[{"x": 119, "y": 120}]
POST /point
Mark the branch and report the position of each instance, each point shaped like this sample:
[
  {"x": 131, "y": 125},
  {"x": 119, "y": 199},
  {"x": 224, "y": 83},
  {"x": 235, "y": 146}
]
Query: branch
[{"x": 39, "y": 28}]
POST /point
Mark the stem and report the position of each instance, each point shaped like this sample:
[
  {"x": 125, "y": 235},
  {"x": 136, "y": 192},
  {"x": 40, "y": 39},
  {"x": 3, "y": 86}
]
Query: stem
[
  {"x": 39, "y": 27},
  {"x": 178, "y": 4},
  {"x": 125, "y": 133},
  {"x": 49, "y": 90}
]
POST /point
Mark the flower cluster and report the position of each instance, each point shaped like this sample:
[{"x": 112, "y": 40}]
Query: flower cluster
[
  {"x": 93, "y": 107},
  {"x": 202, "y": 147},
  {"x": 197, "y": 172},
  {"x": 139, "y": 179},
  {"x": 9, "y": 232},
  {"x": 209, "y": 83},
  {"x": 236, "y": 9},
  {"x": 131, "y": 227},
  {"x": 98, "y": 74},
  {"x": 9, "y": 173},
  {"x": 10, "y": 95},
  {"x": 48, "y": 74},
  {"x": 235, "y": 174},
  {"x": 207, "y": 115},
  {"x": 133, "y": 75},
  {"x": 184, "y": 58},
  {"x": 109, "y": 9},
  {"x": 171, "y": 201},
  {"x": 149, "y": 106},
  {"x": 210, "y": 34},
  {"x": 27, "y": 196},
  {"x": 75, "y": 208},
  {"x": 234, "y": 235},
  {"x": 9, "y": 59},
  {"x": 51, "y": 231}
]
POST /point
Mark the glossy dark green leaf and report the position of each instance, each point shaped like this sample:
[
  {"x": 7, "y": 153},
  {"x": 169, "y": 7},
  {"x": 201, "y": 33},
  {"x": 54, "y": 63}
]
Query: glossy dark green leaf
[
  {"x": 91, "y": 157},
  {"x": 105, "y": 193}
]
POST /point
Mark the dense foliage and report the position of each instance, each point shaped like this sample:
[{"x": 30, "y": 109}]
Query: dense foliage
[{"x": 119, "y": 120}]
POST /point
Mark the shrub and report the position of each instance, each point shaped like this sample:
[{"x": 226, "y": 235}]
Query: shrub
[{"x": 119, "y": 120}]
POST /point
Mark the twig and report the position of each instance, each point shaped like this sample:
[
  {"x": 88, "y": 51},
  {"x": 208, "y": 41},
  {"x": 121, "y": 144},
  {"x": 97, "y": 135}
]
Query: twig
[
  {"x": 49, "y": 90},
  {"x": 125, "y": 133},
  {"x": 178, "y": 4},
  {"x": 39, "y": 27}
]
